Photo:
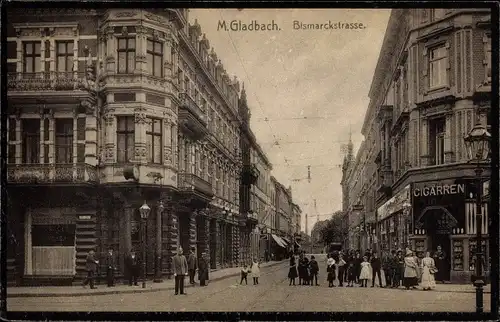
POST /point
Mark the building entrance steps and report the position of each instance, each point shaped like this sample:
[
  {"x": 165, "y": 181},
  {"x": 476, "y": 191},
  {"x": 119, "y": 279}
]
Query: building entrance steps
[{"x": 103, "y": 289}]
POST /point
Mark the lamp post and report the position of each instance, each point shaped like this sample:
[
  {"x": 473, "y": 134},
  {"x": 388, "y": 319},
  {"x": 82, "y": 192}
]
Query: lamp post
[
  {"x": 477, "y": 143},
  {"x": 159, "y": 213},
  {"x": 144, "y": 210}
]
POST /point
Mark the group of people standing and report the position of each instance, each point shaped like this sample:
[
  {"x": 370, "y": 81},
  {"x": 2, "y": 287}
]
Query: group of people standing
[
  {"x": 181, "y": 267},
  {"x": 352, "y": 268}
]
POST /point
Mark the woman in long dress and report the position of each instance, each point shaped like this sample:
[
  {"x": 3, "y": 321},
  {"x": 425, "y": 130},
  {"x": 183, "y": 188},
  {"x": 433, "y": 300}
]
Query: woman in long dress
[
  {"x": 292, "y": 273},
  {"x": 410, "y": 278},
  {"x": 428, "y": 269}
]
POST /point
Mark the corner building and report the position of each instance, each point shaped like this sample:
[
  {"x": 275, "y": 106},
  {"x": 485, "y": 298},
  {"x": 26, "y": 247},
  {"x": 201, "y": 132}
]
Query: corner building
[
  {"x": 431, "y": 85},
  {"x": 97, "y": 95}
]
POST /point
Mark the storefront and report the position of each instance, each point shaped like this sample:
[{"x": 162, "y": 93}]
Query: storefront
[
  {"x": 393, "y": 219},
  {"x": 444, "y": 215}
]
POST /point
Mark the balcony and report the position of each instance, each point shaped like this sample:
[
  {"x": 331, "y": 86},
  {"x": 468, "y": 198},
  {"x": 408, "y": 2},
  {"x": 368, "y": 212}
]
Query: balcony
[
  {"x": 252, "y": 217},
  {"x": 250, "y": 174},
  {"x": 51, "y": 174},
  {"x": 191, "y": 118},
  {"x": 36, "y": 85},
  {"x": 194, "y": 188}
]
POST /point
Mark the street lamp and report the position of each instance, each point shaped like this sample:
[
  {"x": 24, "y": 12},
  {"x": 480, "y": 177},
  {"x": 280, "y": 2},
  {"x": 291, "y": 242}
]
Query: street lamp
[
  {"x": 478, "y": 148},
  {"x": 144, "y": 210},
  {"x": 159, "y": 213}
]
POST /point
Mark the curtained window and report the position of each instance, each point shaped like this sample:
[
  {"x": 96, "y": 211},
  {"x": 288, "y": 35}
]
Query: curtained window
[
  {"x": 64, "y": 140},
  {"x": 126, "y": 138}
]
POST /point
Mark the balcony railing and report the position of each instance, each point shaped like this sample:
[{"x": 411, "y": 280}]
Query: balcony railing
[
  {"x": 188, "y": 103},
  {"x": 51, "y": 173},
  {"x": 44, "y": 81},
  {"x": 191, "y": 182}
]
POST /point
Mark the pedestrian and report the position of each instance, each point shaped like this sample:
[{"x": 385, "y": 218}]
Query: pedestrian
[
  {"x": 342, "y": 270},
  {"x": 357, "y": 266},
  {"x": 330, "y": 268},
  {"x": 428, "y": 271},
  {"x": 180, "y": 268},
  {"x": 91, "y": 266},
  {"x": 203, "y": 269},
  {"x": 399, "y": 270},
  {"x": 292, "y": 272},
  {"x": 440, "y": 261},
  {"x": 376, "y": 266},
  {"x": 386, "y": 267},
  {"x": 110, "y": 267},
  {"x": 366, "y": 270},
  {"x": 314, "y": 269},
  {"x": 192, "y": 265},
  {"x": 132, "y": 268},
  {"x": 307, "y": 271},
  {"x": 352, "y": 272},
  {"x": 255, "y": 271},
  {"x": 266, "y": 255},
  {"x": 301, "y": 269},
  {"x": 244, "y": 273},
  {"x": 410, "y": 277}
]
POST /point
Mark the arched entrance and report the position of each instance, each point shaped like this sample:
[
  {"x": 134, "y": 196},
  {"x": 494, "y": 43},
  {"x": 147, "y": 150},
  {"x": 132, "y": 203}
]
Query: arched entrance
[{"x": 438, "y": 223}]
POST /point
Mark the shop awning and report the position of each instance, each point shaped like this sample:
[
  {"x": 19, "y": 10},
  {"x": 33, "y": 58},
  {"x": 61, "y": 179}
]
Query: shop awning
[
  {"x": 285, "y": 239},
  {"x": 297, "y": 244},
  {"x": 278, "y": 241}
]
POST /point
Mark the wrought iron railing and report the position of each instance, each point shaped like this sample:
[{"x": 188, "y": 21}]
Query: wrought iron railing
[
  {"x": 189, "y": 181},
  {"x": 51, "y": 173},
  {"x": 45, "y": 81}
]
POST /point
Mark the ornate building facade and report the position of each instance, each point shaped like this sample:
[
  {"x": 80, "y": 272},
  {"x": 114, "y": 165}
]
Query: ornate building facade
[
  {"x": 109, "y": 109},
  {"x": 423, "y": 100}
]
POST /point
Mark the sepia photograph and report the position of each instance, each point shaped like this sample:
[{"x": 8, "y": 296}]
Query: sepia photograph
[{"x": 250, "y": 160}]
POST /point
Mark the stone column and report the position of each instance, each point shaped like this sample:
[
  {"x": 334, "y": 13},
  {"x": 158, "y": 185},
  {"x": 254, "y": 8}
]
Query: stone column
[
  {"x": 218, "y": 245},
  {"x": 192, "y": 230},
  {"x": 236, "y": 245},
  {"x": 207, "y": 238},
  {"x": 110, "y": 50},
  {"x": 140, "y": 146},
  {"x": 424, "y": 148},
  {"x": 141, "y": 49},
  {"x": 167, "y": 142},
  {"x": 109, "y": 139},
  {"x": 165, "y": 241},
  {"x": 173, "y": 241},
  {"x": 168, "y": 70}
]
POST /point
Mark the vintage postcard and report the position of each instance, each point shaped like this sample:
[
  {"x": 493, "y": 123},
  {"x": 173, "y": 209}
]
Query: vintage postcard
[{"x": 249, "y": 160}]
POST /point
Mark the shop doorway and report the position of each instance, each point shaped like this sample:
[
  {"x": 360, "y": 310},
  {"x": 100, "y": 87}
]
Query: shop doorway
[
  {"x": 184, "y": 232},
  {"x": 439, "y": 224}
]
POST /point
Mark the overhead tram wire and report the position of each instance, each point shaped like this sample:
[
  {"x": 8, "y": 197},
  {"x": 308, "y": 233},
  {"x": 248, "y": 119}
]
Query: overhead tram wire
[{"x": 249, "y": 81}]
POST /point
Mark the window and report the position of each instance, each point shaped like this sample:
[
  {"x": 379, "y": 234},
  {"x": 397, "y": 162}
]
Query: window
[
  {"x": 126, "y": 138},
  {"x": 126, "y": 55},
  {"x": 155, "y": 58},
  {"x": 80, "y": 137},
  {"x": 437, "y": 67},
  {"x": 438, "y": 13},
  {"x": 31, "y": 56},
  {"x": 64, "y": 56},
  {"x": 64, "y": 140},
  {"x": 436, "y": 136},
  {"x": 31, "y": 141},
  {"x": 487, "y": 57},
  {"x": 154, "y": 135}
]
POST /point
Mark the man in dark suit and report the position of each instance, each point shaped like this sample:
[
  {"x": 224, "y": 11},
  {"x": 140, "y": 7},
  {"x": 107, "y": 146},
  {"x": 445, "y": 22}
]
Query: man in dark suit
[
  {"x": 192, "y": 266},
  {"x": 132, "y": 268},
  {"x": 376, "y": 265},
  {"x": 110, "y": 267},
  {"x": 180, "y": 268},
  {"x": 91, "y": 265}
]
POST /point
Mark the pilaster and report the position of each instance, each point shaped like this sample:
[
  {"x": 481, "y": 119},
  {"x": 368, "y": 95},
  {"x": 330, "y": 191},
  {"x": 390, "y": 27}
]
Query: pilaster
[
  {"x": 192, "y": 230},
  {"x": 141, "y": 49},
  {"x": 91, "y": 136},
  {"x": 236, "y": 245},
  {"x": 110, "y": 50},
  {"x": 173, "y": 240},
  {"x": 109, "y": 138},
  {"x": 207, "y": 239},
  {"x": 166, "y": 241},
  {"x": 448, "y": 151},
  {"x": 218, "y": 245},
  {"x": 167, "y": 142},
  {"x": 140, "y": 146}
]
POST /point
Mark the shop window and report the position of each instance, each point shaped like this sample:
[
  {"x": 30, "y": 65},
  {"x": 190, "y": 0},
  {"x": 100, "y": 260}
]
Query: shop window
[
  {"x": 53, "y": 235},
  {"x": 438, "y": 75},
  {"x": 30, "y": 140},
  {"x": 64, "y": 140},
  {"x": 126, "y": 138}
]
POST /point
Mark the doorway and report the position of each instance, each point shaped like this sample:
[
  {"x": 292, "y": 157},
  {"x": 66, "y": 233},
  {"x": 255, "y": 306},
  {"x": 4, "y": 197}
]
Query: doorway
[
  {"x": 438, "y": 227},
  {"x": 213, "y": 244},
  {"x": 184, "y": 232}
]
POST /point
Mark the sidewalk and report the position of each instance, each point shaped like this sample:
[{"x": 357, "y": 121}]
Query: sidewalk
[{"x": 102, "y": 289}]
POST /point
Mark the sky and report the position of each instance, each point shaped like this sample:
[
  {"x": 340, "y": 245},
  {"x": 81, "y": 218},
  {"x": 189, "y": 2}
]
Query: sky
[{"x": 290, "y": 74}]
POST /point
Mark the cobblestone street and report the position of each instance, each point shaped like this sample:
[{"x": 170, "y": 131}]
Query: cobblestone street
[{"x": 272, "y": 294}]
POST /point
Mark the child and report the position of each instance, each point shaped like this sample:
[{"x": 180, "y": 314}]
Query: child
[
  {"x": 331, "y": 270},
  {"x": 314, "y": 270},
  {"x": 244, "y": 274},
  {"x": 255, "y": 271},
  {"x": 351, "y": 273},
  {"x": 365, "y": 274}
]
